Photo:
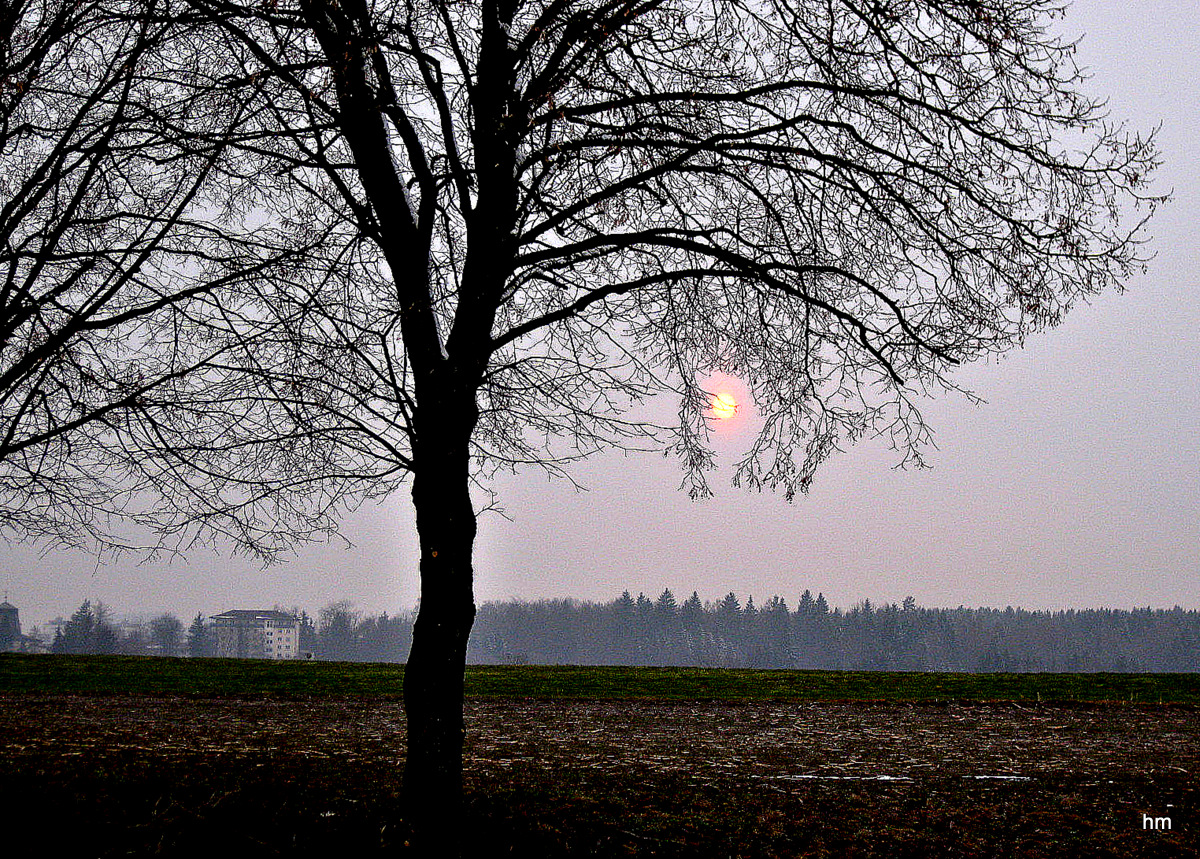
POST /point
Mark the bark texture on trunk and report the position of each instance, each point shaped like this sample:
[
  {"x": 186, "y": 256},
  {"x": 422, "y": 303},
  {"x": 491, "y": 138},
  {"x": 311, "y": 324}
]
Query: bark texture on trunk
[{"x": 433, "y": 679}]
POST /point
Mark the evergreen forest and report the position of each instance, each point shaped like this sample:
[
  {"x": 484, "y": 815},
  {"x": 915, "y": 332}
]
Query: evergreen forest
[{"x": 727, "y": 633}]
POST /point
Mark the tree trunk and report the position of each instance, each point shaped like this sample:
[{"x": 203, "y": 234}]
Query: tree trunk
[{"x": 433, "y": 679}]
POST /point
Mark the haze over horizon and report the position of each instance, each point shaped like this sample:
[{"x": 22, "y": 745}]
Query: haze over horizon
[{"x": 1077, "y": 485}]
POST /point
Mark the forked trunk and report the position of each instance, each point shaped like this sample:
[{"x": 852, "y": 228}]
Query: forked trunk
[{"x": 433, "y": 679}]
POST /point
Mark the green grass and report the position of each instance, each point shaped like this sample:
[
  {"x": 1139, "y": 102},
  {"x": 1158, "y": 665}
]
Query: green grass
[
  {"x": 143, "y": 675},
  {"x": 132, "y": 675},
  {"x": 745, "y": 685}
]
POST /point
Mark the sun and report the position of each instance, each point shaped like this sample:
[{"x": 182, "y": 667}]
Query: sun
[{"x": 724, "y": 406}]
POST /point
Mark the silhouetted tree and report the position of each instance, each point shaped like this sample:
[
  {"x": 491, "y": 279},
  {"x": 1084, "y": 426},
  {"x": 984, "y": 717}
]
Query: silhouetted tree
[
  {"x": 519, "y": 217},
  {"x": 111, "y": 240}
]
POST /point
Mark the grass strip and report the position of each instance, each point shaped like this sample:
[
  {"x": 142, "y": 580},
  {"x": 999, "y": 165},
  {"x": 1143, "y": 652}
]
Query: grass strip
[{"x": 139, "y": 675}]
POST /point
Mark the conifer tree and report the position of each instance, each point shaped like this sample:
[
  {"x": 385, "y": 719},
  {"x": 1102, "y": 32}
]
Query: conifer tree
[{"x": 199, "y": 638}]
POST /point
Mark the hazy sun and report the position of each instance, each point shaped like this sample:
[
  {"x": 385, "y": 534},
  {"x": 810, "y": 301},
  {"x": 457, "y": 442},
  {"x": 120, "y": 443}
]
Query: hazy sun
[{"x": 724, "y": 406}]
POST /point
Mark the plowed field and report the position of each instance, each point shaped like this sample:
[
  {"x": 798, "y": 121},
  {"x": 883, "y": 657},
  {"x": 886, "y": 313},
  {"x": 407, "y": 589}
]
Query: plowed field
[{"x": 177, "y": 776}]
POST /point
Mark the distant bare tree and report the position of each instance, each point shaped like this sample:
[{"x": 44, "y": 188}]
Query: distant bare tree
[
  {"x": 521, "y": 218},
  {"x": 131, "y": 640},
  {"x": 106, "y": 639},
  {"x": 337, "y": 629},
  {"x": 166, "y": 634}
]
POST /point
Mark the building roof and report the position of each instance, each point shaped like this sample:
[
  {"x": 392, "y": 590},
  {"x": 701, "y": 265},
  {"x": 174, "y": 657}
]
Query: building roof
[
  {"x": 7, "y": 604},
  {"x": 253, "y": 614}
]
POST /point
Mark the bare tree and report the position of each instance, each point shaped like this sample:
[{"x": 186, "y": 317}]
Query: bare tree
[
  {"x": 338, "y": 627},
  {"x": 522, "y": 218},
  {"x": 110, "y": 241},
  {"x": 166, "y": 634}
]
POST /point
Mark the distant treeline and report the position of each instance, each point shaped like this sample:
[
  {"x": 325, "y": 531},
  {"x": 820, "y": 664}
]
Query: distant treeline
[
  {"x": 338, "y": 633},
  {"x": 726, "y": 633},
  {"x": 889, "y": 637}
]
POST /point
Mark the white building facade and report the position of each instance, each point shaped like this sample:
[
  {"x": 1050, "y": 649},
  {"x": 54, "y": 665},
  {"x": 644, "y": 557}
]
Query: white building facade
[{"x": 251, "y": 634}]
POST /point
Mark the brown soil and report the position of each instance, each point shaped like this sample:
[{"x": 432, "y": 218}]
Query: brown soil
[{"x": 138, "y": 776}]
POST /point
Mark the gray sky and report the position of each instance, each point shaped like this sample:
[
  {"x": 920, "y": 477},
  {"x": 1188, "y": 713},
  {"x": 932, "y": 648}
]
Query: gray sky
[{"x": 1076, "y": 485}]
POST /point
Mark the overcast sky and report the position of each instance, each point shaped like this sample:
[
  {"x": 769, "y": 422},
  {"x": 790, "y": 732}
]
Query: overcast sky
[{"x": 1076, "y": 485}]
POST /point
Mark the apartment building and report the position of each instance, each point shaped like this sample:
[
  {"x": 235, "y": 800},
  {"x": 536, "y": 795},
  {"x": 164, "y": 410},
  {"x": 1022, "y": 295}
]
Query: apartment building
[{"x": 253, "y": 634}]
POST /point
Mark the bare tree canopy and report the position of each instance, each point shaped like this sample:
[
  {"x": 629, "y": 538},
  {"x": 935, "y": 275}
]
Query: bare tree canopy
[
  {"x": 561, "y": 208},
  {"x": 518, "y": 219},
  {"x": 110, "y": 130}
]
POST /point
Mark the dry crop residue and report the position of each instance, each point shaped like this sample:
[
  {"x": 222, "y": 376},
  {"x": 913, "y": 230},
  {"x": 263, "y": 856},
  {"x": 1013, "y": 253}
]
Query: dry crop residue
[
  {"x": 787, "y": 741},
  {"x": 616, "y": 778}
]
